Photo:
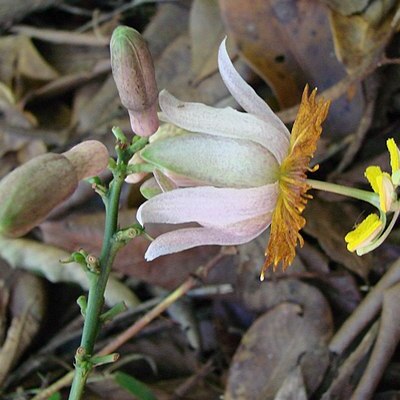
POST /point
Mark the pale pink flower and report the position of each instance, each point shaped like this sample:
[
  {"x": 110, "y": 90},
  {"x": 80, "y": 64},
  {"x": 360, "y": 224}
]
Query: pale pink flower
[
  {"x": 243, "y": 169},
  {"x": 236, "y": 157}
]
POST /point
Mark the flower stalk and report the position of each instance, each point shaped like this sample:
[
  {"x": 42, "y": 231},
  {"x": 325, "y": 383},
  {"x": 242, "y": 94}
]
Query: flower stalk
[{"x": 113, "y": 240}]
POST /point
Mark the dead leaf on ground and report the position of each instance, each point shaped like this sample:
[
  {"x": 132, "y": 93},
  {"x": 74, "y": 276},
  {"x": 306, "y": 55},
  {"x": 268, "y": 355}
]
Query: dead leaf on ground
[
  {"x": 362, "y": 34},
  {"x": 26, "y": 303},
  {"x": 294, "y": 48},
  {"x": 86, "y": 231},
  {"x": 293, "y": 330},
  {"x": 293, "y": 387},
  {"x": 277, "y": 342},
  {"x": 44, "y": 259},
  {"x": 206, "y": 34}
]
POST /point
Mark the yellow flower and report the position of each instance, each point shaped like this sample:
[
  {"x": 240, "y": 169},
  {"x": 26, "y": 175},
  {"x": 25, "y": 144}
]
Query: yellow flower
[
  {"x": 372, "y": 232},
  {"x": 365, "y": 233}
]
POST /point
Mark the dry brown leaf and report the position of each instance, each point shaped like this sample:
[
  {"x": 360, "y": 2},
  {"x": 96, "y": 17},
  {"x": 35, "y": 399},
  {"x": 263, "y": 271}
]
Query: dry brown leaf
[
  {"x": 360, "y": 37},
  {"x": 206, "y": 34},
  {"x": 164, "y": 27},
  {"x": 44, "y": 259},
  {"x": 26, "y": 308},
  {"x": 278, "y": 342},
  {"x": 86, "y": 231},
  {"x": 21, "y": 66},
  {"x": 16, "y": 9},
  {"x": 293, "y": 387},
  {"x": 289, "y": 44}
]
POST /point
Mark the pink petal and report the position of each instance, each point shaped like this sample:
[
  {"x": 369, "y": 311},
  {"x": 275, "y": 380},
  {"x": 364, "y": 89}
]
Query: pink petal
[
  {"x": 244, "y": 94},
  {"x": 226, "y": 122},
  {"x": 208, "y": 205},
  {"x": 187, "y": 238}
]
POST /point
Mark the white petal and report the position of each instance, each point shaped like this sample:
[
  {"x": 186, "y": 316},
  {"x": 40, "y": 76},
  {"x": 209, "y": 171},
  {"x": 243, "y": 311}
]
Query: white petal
[
  {"x": 208, "y": 205},
  {"x": 244, "y": 94},
  {"x": 213, "y": 160},
  {"x": 226, "y": 122},
  {"x": 187, "y": 238}
]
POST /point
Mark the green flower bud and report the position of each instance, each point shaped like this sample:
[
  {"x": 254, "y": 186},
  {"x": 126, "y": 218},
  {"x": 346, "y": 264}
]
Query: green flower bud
[
  {"x": 30, "y": 192},
  {"x": 133, "y": 71}
]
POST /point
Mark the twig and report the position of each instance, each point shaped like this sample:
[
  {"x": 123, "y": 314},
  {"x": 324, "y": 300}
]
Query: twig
[{"x": 365, "y": 312}]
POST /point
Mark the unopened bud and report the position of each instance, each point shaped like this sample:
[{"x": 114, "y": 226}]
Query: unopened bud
[
  {"x": 89, "y": 158},
  {"x": 133, "y": 71},
  {"x": 30, "y": 192}
]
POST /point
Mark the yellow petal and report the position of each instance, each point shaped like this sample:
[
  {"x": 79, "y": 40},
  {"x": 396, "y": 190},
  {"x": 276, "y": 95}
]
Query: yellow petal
[
  {"x": 372, "y": 173},
  {"x": 394, "y": 155},
  {"x": 365, "y": 233},
  {"x": 292, "y": 199}
]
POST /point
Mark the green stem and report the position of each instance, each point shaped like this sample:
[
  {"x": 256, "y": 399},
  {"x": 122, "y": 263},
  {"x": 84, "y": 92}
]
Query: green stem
[
  {"x": 359, "y": 194},
  {"x": 96, "y": 289}
]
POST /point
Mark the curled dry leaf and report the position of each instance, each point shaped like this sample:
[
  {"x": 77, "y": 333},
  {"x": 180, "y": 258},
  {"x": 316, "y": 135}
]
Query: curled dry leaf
[
  {"x": 44, "y": 260},
  {"x": 362, "y": 35},
  {"x": 26, "y": 306}
]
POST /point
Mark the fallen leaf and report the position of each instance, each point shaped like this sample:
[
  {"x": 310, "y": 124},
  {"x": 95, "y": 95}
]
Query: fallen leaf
[
  {"x": 277, "y": 342},
  {"x": 295, "y": 47},
  {"x": 86, "y": 231},
  {"x": 44, "y": 260},
  {"x": 293, "y": 387},
  {"x": 206, "y": 34},
  {"x": 361, "y": 36},
  {"x": 26, "y": 307}
]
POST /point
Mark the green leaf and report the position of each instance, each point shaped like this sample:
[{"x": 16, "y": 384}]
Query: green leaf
[{"x": 133, "y": 386}]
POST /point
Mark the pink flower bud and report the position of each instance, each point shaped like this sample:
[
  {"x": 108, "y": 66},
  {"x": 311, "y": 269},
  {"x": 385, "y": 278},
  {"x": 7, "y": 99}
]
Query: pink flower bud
[
  {"x": 133, "y": 71},
  {"x": 30, "y": 192}
]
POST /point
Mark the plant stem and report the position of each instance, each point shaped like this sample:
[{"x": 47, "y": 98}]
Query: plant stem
[
  {"x": 97, "y": 287},
  {"x": 359, "y": 194}
]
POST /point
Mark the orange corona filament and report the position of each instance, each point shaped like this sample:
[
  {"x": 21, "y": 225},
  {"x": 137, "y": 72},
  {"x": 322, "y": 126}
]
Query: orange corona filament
[{"x": 287, "y": 220}]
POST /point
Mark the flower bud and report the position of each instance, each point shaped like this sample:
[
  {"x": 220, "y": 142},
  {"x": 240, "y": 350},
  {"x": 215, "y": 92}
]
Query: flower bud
[
  {"x": 133, "y": 71},
  {"x": 30, "y": 192}
]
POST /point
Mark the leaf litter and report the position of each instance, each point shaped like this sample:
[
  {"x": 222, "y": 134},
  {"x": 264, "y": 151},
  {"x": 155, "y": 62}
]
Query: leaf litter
[{"x": 325, "y": 329}]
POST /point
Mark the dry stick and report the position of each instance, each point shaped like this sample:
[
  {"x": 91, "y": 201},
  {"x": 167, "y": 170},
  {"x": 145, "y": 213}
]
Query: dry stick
[
  {"x": 189, "y": 284},
  {"x": 346, "y": 370},
  {"x": 385, "y": 346},
  {"x": 182, "y": 390},
  {"x": 365, "y": 312}
]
